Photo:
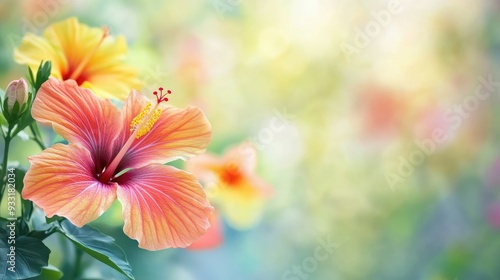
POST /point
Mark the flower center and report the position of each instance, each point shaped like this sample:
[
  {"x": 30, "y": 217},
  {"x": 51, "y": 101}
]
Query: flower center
[
  {"x": 139, "y": 126},
  {"x": 230, "y": 174},
  {"x": 75, "y": 75}
]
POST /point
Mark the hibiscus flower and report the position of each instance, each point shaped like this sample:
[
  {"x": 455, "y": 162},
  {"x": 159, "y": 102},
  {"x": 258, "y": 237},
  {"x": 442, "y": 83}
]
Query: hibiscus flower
[
  {"x": 90, "y": 56},
  {"x": 234, "y": 188},
  {"x": 120, "y": 155}
]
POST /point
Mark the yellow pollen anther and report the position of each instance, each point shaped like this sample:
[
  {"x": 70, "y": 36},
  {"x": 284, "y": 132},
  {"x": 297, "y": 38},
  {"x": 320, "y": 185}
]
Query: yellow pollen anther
[
  {"x": 137, "y": 120},
  {"x": 139, "y": 126},
  {"x": 145, "y": 128}
]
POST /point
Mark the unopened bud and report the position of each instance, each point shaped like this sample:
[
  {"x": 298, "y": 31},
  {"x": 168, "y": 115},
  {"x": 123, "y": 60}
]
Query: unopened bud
[{"x": 17, "y": 90}]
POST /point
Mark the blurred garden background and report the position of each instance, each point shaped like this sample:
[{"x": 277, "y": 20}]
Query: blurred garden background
[{"x": 376, "y": 124}]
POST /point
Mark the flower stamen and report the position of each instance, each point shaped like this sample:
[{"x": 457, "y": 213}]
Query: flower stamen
[
  {"x": 146, "y": 127},
  {"x": 139, "y": 126},
  {"x": 138, "y": 119}
]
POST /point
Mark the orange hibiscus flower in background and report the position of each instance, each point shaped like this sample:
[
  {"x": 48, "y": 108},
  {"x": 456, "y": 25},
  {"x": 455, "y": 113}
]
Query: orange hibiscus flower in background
[
  {"x": 234, "y": 188},
  {"x": 107, "y": 160},
  {"x": 87, "y": 55}
]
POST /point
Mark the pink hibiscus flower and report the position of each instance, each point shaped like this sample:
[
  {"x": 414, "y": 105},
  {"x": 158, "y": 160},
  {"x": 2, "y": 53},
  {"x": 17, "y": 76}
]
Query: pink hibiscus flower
[{"x": 120, "y": 155}]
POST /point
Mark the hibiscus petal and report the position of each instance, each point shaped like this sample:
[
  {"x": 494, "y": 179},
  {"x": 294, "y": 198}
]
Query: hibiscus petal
[
  {"x": 162, "y": 207},
  {"x": 212, "y": 238},
  {"x": 34, "y": 49},
  {"x": 243, "y": 203},
  {"x": 178, "y": 133},
  {"x": 68, "y": 43},
  {"x": 73, "y": 41},
  {"x": 79, "y": 116},
  {"x": 61, "y": 182},
  {"x": 65, "y": 43},
  {"x": 244, "y": 156},
  {"x": 238, "y": 160},
  {"x": 205, "y": 167},
  {"x": 107, "y": 76},
  {"x": 113, "y": 82}
]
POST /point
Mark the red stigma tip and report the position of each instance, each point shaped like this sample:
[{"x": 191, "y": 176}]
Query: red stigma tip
[{"x": 160, "y": 97}]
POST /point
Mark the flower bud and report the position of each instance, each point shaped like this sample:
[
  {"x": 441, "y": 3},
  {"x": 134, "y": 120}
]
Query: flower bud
[{"x": 17, "y": 90}]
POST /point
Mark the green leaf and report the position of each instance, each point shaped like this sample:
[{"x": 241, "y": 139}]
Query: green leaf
[
  {"x": 98, "y": 245},
  {"x": 15, "y": 109},
  {"x": 24, "y": 228},
  {"x": 3, "y": 120},
  {"x": 39, "y": 76},
  {"x": 49, "y": 272},
  {"x": 21, "y": 226},
  {"x": 31, "y": 79},
  {"x": 5, "y": 109},
  {"x": 40, "y": 228},
  {"x": 42, "y": 74},
  {"x": 30, "y": 256},
  {"x": 25, "y": 120}
]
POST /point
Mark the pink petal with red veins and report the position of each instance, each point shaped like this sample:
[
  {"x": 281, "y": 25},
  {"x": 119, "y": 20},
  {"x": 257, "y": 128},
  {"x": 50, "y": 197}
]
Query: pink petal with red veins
[
  {"x": 79, "y": 116},
  {"x": 162, "y": 207},
  {"x": 178, "y": 133},
  {"x": 61, "y": 182}
]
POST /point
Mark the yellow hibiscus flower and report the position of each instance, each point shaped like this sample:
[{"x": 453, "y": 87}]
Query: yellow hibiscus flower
[{"x": 87, "y": 55}]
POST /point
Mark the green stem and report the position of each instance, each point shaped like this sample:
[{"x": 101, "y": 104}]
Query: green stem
[
  {"x": 4, "y": 162},
  {"x": 36, "y": 139}
]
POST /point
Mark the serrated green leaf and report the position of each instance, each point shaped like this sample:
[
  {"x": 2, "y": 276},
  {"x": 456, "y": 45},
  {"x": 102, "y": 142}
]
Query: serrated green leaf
[
  {"x": 30, "y": 256},
  {"x": 97, "y": 245}
]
